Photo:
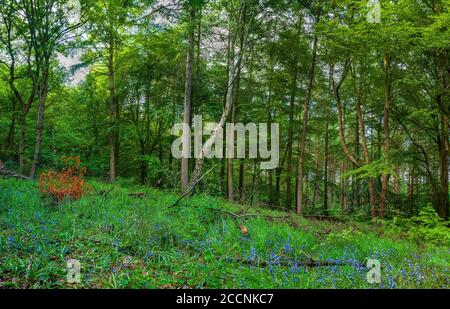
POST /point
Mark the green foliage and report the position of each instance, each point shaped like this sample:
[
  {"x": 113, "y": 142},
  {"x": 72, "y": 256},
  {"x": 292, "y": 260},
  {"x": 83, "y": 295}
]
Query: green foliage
[
  {"x": 346, "y": 235},
  {"x": 427, "y": 227},
  {"x": 124, "y": 242},
  {"x": 374, "y": 169}
]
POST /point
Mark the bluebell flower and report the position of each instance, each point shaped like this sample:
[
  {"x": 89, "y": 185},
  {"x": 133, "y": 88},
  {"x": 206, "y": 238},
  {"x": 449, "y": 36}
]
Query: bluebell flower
[
  {"x": 391, "y": 283},
  {"x": 252, "y": 256},
  {"x": 11, "y": 240},
  {"x": 116, "y": 243},
  {"x": 287, "y": 246},
  {"x": 149, "y": 255}
]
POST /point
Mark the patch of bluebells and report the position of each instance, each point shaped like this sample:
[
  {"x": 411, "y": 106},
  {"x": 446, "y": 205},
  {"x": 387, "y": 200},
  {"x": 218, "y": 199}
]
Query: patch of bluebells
[
  {"x": 149, "y": 255},
  {"x": 287, "y": 248},
  {"x": 252, "y": 257},
  {"x": 274, "y": 260},
  {"x": 198, "y": 245},
  {"x": 116, "y": 243}
]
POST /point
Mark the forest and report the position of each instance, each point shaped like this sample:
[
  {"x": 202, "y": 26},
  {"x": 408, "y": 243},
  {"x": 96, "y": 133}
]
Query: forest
[{"x": 91, "y": 92}]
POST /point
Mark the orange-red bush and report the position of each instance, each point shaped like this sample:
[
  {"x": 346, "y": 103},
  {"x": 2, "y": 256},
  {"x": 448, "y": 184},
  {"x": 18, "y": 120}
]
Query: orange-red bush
[{"x": 68, "y": 183}]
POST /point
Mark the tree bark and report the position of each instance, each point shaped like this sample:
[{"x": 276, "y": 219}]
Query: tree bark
[
  {"x": 301, "y": 147},
  {"x": 43, "y": 92},
  {"x": 187, "y": 104},
  {"x": 386, "y": 145},
  {"x": 112, "y": 113},
  {"x": 443, "y": 168}
]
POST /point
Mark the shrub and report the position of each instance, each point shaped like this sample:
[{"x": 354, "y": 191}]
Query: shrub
[
  {"x": 68, "y": 183},
  {"x": 344, "y": 236},
  {"x": 427, "y": 227}
]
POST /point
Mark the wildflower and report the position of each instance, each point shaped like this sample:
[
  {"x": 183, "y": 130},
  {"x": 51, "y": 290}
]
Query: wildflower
[
  {"x": 252, "y": 256},
  {"x": 391, "y": 283},
  {"x": 149, "y": 255},
  {"x": 287, "y": 246},
  {"x": 294, "y": 269},
  {"x": 116, "y": 243}
]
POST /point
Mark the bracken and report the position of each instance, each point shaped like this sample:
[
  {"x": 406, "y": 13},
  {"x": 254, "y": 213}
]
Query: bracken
[{"x": 68, "y": 183}]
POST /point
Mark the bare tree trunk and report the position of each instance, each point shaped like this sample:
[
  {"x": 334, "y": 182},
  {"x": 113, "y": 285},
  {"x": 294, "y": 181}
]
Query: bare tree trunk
[
  {"x": 230, "y": 162},
  {"x": 21, "y": 143},
  {"x": 397, "y": 178},
  {"x": 411, "y": 190},
  {"x": 112, "y": 114},
  {"x": 290, "y": 142},
  {"x": 241, "y": 179},
  {"x": 386, "y": 146},
  {"x": 442, "y": 101},
  {"x": 325, "y": 164},
  {"x": 316, "y": 174},
  {"x": 342, "y": 199},
  {"x": 301, "y": 147},
  {"x": 355, "y": 180},
  {"x": 336, "y": 88},
  {"x": 12, "y": 126},
  {"x": 43, "y": 91},
  {"x": 362, "y": 129},
  {"x": 187, "y": 104},
  {"x": 443, "y": 168}
]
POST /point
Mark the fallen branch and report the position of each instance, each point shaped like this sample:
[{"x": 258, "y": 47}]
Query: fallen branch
[
  {"x": 323, "y": 217},
  {"x": 245, "y": 215},
  {"x": 104, "y": 193},
  {"x": 6, "y": 173},
  {"x": 308, "y": 263},
  {"x": 137, "y": 195},
  {"x": 191, "y": 188}
]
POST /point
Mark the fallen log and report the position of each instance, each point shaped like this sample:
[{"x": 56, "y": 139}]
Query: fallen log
[
  {"x": 307, "y": 263},
  {"x": 104, "y": 193},
  {"x": 246, "y": 215},
  {"x": 190, "y": 189},
  {"x": 137, "y": 194},
  {"x": 7, "y": 173}
]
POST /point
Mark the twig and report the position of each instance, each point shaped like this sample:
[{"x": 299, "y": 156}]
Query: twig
[
  {"x": 7, "y": 173},
  {"x": 191, "y": 188},
  {"x": 105, "y": 193},
  {"x": 308, "y": 263},
  {"x": 240, "y": 216}
]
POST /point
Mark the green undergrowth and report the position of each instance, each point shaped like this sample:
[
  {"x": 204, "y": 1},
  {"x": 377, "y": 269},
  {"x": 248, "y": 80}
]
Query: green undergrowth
[{"x": 123, "y": 241}]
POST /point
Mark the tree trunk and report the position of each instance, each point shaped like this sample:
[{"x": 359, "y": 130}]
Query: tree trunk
[
  {"x": 342, "y": 199},
  {"x": 443, "y": 168},
  {"x": 12, "y": 126},
  {"x": 230, "y": 192},
  {"x": 411, "y": 190},
  {"x": 325, "y": 159},
  {"x": 301, "y": 147},
  {"x": 21, "y": 144},
  {"x": 112, "y": 114},
  {"x": 355, "y": 181},
  {"x": 187, "y": 104},
  {"x": 386, "y": 146},
  {"x": 316, "y": 174},
  {"x": 241, "y": 179},
  {"x": 43, "y": 92},
  {"x": 290, "y": 142}
]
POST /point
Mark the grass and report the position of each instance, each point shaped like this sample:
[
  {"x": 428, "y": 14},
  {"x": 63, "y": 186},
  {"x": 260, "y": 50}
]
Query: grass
[{"x": 126, "y": 242}]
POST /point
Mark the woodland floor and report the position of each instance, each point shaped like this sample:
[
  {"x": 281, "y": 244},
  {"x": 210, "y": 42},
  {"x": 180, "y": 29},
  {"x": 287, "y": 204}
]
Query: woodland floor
[{"x": 124, "y": 241}]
